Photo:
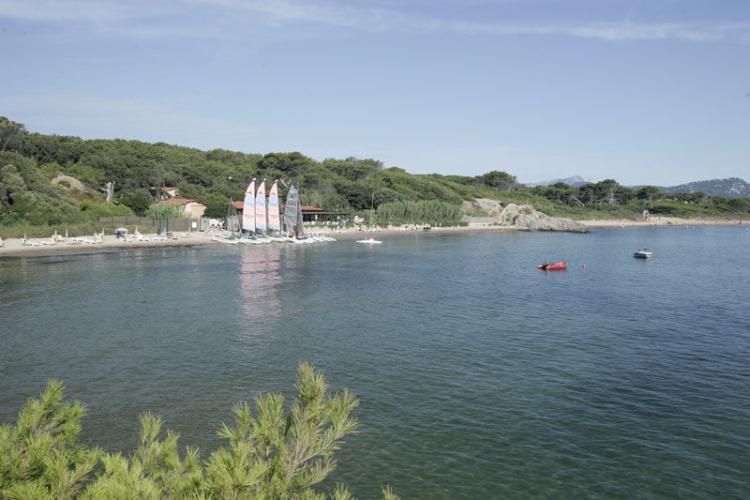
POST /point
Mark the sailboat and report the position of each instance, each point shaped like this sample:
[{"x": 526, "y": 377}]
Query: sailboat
[
  {"x": 249, "y": 216},
  {"x": 232, "y": 236},
  {"x": 292, "y": 218},
  {"x": 274, "y": 217},
  {"x": 370, "y": 240},
  {"x": 261, "y": 222}
]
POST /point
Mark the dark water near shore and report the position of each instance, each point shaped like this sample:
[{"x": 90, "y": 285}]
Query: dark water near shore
[{"x": 479, "y": 376}]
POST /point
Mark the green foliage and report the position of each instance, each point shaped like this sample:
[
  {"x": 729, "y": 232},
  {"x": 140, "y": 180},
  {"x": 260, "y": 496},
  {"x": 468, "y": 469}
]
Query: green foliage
[
  {"x": 163, "y": 212},
  {"x": 139, "y": 170},
  {"x": 95, "y": 209},
  {"x": 11, "y": 134},
  {"x": 40, "y": 456},
  {"x": 273, "y": 451},
  {"x": 138, "y": 200},
  {"x": 496, "y": 179},
  {"x": 216, "y": 206},
  {"x": 433, "y": 212}
]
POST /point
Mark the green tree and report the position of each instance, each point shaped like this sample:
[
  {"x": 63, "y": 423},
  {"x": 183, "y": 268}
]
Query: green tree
[
  {"x": 648, "y": 194},
  {"x": 40, "y": 456},
  {"x": 287, "y": 164},
  {"x": 216, "y": 206},
  {"x": 497, "y": 179},
  {"x": 138, "y": 200},
  {"x": 273, "y": 451},
  {"x": 11, "y": 134},
  {"x": 162, "y": 214}
]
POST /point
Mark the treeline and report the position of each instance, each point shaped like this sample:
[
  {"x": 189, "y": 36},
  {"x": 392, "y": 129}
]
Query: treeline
[
  {"x": 272, "y": 451},
  {"x": 30, "y": 161},
  {"x": 54, "y": 180},
  {"x": 608, "y": 195}
]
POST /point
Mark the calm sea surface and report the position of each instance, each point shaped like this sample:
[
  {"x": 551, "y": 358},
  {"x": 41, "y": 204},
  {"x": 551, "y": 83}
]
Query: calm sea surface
[{"x": 479, "y": 376}]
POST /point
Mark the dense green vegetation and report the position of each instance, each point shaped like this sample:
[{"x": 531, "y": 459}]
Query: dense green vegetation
[
  {"x": 608, "y": 198},
  {"x": 433, "y": 212},
  {"x": 33, "y": 193},
  {"x": 273, "y": 451}
]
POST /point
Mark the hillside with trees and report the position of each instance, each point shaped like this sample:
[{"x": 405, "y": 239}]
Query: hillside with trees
[{"x": 53, "y": 181}]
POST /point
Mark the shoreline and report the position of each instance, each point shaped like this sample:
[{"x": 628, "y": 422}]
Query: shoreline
[
  {"x": 14, "y": 247},
  {"x": 658, "y": 222}
]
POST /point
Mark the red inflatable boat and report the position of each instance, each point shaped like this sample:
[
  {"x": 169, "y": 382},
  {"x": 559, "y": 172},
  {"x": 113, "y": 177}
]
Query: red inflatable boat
[{"x": 553, "y": 266}]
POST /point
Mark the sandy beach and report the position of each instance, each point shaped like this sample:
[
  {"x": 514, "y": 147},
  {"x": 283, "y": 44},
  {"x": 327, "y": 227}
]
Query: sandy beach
[
  {"x": 659, "y": 222},
  {"x": 15, "y": 247}
]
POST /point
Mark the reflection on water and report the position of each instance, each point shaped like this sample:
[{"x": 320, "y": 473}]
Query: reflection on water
[{"x": 259, "y": 282}]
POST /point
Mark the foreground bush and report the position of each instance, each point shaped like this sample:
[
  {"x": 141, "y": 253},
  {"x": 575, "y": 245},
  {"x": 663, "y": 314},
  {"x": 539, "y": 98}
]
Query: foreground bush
[{"x": 273, "y": 451}]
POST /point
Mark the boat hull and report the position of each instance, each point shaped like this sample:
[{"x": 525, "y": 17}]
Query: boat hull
[{"x": 554, "y": 266}]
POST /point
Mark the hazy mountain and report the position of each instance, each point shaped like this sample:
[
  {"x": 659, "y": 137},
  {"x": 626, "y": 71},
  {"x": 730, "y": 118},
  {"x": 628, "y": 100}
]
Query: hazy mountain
[
  {"x": 575, "y": 181},
  {"x": 730, "y": 187}
]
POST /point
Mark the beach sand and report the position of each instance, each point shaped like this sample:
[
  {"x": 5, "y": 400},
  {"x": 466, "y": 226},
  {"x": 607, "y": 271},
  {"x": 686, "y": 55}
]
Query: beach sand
[
  {"x": 14, "y": 247},
  {"x": 658, "y": 222}
]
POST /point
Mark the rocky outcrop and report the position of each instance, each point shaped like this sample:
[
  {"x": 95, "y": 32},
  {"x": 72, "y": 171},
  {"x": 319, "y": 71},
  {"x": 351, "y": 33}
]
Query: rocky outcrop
[
  {"x": 69, "y": 182},
  {"x": 524, "y": 217},
  {"x": 493, "y": 208}
]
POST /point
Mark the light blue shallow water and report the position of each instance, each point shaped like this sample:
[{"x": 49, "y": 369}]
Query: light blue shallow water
[{"x": 479, "y": 376}]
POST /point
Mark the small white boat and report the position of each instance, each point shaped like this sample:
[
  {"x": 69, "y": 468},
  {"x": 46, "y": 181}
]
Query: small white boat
[
  {"x": 226, "y": 241},
  {"x": 370, "y": 241},
  {"x": 303, "y": 241},
  {"x": 280, "y": 239},
  {"x": 642, "y": 254}
]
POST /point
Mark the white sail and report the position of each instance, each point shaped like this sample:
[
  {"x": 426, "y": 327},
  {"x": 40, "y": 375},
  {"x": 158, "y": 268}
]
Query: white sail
[
  {"x": 248, "y": 213},
  {"x": 274, "y": 219},
  {"x": 260, "y": 208}
]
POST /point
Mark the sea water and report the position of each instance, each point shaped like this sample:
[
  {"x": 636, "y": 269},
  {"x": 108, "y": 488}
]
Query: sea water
[{"x": 479, "y": 376}]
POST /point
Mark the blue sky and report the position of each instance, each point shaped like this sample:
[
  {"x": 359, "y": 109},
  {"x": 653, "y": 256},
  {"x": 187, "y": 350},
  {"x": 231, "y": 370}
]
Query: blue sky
[{"x": 652, "y": 91}]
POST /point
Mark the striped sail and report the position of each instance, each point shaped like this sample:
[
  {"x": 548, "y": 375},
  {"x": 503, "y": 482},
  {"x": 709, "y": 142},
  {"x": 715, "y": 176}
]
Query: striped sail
[
  {"x": 260, "y": 208},
  {"x": 248, "y": 213},
  {"x": 274, "y": 220}
]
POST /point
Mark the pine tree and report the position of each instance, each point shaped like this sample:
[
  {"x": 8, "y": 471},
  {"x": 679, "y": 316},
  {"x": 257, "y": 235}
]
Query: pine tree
[{"x": 273, "y": 451}]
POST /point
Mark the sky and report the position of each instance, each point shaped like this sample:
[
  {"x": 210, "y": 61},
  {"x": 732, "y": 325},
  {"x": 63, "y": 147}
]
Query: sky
[{"x": 645, "y": 92}]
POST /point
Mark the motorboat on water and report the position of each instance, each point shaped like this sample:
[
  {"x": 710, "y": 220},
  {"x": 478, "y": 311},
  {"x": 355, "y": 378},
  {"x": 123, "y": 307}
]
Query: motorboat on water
[
  {"x": 370, "y": 241},
  {"x": 553, "y": 266},
  {"x": 643, "y": 253}
]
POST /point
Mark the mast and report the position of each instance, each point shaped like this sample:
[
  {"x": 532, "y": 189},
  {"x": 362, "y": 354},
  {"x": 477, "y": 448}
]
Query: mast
[
  {"x": 372, "y": 207},
  {"x": 233, "y": 220}
]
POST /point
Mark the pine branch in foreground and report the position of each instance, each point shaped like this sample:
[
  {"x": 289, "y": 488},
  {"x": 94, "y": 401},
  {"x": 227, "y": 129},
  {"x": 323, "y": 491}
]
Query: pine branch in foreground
[{"x": 272, "y": 451}]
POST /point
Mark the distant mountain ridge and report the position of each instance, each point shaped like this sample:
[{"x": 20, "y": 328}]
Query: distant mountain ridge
[
  {"x": 574, "y": 180},
  {"x": 730, "y": 187}
]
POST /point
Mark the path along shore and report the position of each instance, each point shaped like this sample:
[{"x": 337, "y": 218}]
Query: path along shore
[{"x": 15, "y": 247}]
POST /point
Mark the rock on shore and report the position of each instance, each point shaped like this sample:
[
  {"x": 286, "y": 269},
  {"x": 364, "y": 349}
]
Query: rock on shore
[
  {"x": 526, "y": 218},
  {"x": 522, "y": 217}
]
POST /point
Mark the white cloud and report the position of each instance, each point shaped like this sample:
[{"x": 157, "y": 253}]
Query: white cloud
[{"x": 225, "y": 18}]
